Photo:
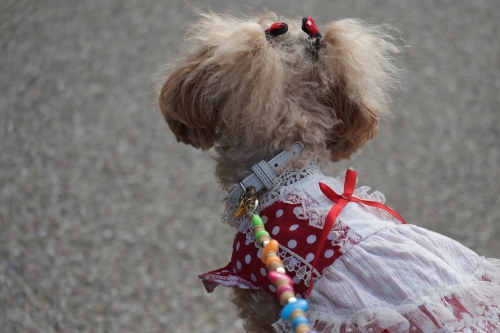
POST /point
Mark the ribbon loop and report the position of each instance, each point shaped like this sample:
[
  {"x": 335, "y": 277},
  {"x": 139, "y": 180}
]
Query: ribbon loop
[{"x": 340, "y": 201}]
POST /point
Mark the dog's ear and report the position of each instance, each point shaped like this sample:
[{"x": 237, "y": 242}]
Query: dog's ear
[
  {"x": 218, "y": 72},
  {"x": 183, "y": 102},
  {"x": 356, "y": 73}
]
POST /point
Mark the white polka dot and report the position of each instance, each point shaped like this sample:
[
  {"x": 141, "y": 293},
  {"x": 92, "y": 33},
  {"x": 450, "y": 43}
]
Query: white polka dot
[
  {"x": 311, "y": 239},
  {"x": 248, "y": 258},
  {"x": 294, "y": 227},
  {"x": 238, "y": 246},
  {"x": 292, "y": 243},
  {"x": 331, "y": 236},
  {"x": 252, "y": 276},
  {"x": 296, "y": 279},
  {"x": 263, "y": 271},
  {"x": 298, "y": 211},
  {"x": 264, "y": 218},
  {"x": 297, "y": 295},
  {"x": 272, "y": 288},
  {"x": 275, "y": 231},
  {"x": 238, "y": 264},
  {"x": 310, "y": 257},
  {"x": 279, "y": 212},
  {"x": 259, "y": 253},
  {"x": 329, "y": 253}
]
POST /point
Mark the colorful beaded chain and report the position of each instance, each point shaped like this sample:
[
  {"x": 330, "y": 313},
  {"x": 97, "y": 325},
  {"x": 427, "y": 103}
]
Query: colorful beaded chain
[{"x": 294, "y": 309}]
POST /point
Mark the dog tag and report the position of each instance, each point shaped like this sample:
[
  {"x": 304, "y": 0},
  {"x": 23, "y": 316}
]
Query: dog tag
[
  {"x": 241, "y": 211},
  {"x": 247, "y": 201}
]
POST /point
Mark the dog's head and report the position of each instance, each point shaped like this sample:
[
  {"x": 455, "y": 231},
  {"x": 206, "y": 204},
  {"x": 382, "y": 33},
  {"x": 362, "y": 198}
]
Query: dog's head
[{"x": 239, "y": 86}]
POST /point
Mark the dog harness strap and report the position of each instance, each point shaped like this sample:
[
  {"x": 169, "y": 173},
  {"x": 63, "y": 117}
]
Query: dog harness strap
[
  {"x": 265, "y": 174},
  {"x": 340, "y": 202}
]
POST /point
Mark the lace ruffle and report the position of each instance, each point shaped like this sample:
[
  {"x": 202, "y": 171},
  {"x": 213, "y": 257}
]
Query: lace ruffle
[
  {"x": 294, "y": 263},
  {"x": 291, "y": 261},
  {"x": 267, "y": 198},
  {"x": 472, "y": 306},
  {"x": 316, "y": 213}
]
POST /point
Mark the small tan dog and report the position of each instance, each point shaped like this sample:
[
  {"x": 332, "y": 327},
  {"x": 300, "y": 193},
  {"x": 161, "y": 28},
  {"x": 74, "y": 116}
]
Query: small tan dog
[{"x": 251, "y": 88}]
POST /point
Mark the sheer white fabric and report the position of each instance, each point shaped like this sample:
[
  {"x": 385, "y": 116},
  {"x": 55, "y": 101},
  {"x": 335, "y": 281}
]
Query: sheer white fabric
[
  {"x": 407, "y": 279},
  {"x": 391, "y": 277}
]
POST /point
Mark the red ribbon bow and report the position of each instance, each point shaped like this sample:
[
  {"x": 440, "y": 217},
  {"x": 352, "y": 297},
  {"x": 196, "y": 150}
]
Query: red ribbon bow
[{"x": 340, "y": 202}]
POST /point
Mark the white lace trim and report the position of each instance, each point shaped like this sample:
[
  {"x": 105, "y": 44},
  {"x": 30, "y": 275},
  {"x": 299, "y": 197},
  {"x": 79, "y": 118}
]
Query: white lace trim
[
  {"x": 289, "y": 188},
  {"x": 294, "y": 263},
  {"x": 316, "y": 213},
  {"x": 340, "y": 235},
  {"x": 471, "y": 306},
  {"x": 267, "y": 198},
  {"x": 291, "y": 261}
]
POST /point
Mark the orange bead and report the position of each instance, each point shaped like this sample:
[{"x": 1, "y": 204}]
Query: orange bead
[
  {"x": 272, "y": 259},
  {"x": 269, "y": 254},
  {"x": 271, "y": 246}
]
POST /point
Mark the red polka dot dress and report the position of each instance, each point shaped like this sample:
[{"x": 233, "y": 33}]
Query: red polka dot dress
[{"x": 373, "y": 274}]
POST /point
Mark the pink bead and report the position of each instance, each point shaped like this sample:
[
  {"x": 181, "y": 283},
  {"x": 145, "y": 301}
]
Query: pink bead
[
  {"x": 284, "y": 288},
  {"x": 275, "y": 276}
]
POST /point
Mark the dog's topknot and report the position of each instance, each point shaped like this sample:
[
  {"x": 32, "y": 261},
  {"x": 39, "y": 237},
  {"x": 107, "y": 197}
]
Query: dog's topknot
[{"x": 252, "y": 96}]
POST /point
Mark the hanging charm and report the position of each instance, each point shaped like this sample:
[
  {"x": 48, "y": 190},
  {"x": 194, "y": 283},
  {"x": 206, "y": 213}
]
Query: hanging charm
[
  {"x": 248, "y": 203},
  {"x": 294, "y": 309}
]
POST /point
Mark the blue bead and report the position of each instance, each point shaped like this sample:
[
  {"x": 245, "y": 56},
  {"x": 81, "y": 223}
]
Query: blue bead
[
  {"x": 290, "y": 307},
  {"x": 299, "y": 320}
]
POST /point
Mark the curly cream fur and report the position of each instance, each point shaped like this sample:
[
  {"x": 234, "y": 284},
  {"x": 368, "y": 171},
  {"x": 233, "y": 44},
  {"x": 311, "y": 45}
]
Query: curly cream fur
[{"x": 251, "y": 98}]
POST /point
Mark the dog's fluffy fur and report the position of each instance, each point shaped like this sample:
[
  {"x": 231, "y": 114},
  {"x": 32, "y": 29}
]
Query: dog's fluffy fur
[{"x": 251, "y": 97}]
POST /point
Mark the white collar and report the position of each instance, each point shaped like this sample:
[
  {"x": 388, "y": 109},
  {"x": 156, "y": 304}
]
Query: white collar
[{"x": 264, "y": 173}]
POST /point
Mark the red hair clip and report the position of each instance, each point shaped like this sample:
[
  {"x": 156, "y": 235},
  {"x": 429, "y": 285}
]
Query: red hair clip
[
  {"x": 276, "y": 29},
  {"x": 310, "y": 28}
]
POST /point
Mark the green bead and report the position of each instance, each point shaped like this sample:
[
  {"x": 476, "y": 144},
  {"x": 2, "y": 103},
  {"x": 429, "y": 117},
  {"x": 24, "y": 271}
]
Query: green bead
[
  {"x": 257, "y": 221},
  {"x": 261, "y": 233}
]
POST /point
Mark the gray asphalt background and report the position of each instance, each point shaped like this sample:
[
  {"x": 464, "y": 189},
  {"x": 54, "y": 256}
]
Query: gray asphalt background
[{"x": 105, "y": 220}]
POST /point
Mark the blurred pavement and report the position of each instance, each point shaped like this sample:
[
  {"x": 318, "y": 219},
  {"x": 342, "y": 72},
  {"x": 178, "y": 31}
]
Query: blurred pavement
[{"x": 105, "y": 220}]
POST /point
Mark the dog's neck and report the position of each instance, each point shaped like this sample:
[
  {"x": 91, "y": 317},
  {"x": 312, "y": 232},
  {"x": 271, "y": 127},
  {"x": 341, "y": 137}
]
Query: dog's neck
[
  {"x": 234, "y": 164},
  {"x": 265, "y": 173}
]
